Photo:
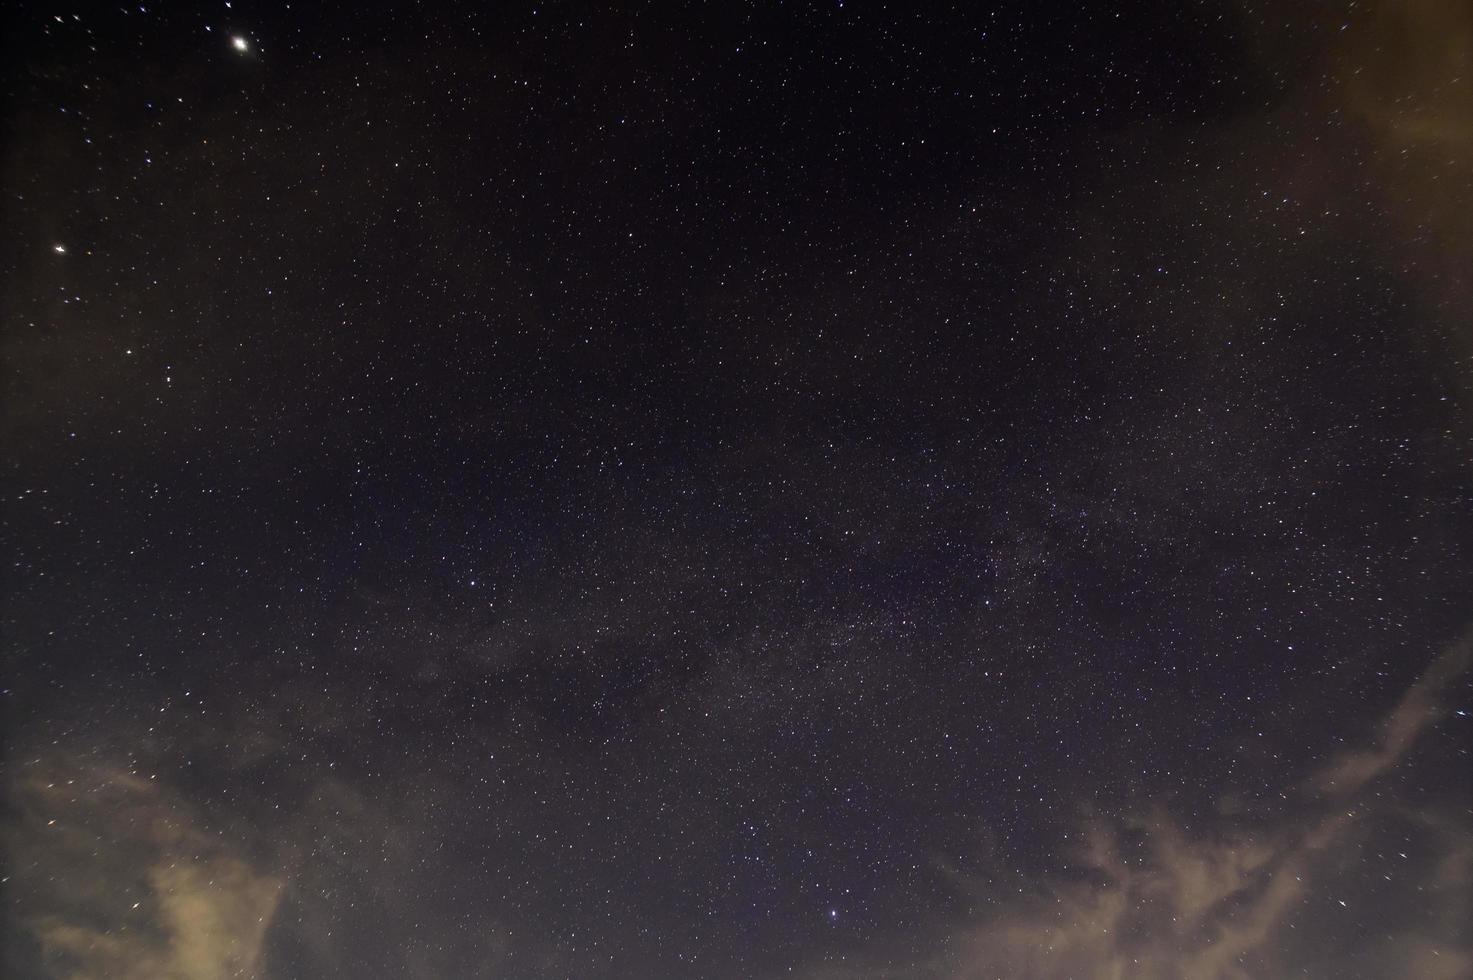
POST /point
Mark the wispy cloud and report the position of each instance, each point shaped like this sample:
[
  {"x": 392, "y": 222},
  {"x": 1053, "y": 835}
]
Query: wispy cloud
[{"x": 1146, "y": 897}]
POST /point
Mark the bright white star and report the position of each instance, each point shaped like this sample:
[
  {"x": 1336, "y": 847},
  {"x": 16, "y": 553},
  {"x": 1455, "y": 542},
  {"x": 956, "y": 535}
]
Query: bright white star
[{"x": 240, "y": 43}]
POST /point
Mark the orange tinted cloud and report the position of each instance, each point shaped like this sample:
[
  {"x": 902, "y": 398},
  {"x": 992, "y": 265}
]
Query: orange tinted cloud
[{"x": 116, "y": 878}]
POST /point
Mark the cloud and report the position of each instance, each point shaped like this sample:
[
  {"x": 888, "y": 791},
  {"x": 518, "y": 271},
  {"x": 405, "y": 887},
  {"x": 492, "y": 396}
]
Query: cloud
[
  {"x": 1405, "y": 76},
  {"x": 213, "y": 917},
  {"x": 115, "y": 876},
  {"x": 1418, "y": 708},
  {"x": 1237, "y": 895},
  {"x": 1409, "y": 71},
  {"x": 1147, "y": 899}
]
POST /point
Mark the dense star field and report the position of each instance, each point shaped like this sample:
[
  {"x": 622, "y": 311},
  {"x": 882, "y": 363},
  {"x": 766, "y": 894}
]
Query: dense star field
[{"x": 832, "y": 491}]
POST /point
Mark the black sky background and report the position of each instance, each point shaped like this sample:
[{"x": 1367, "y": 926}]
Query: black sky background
[{"x": 737, "y": 490}]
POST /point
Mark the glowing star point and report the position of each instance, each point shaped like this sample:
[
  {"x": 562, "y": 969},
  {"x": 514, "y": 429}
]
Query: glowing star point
[{"x": 239, "y": 43}]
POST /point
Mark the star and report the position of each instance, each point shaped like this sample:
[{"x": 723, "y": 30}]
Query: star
[
  {"x": 59, "y": 248},
  {"x": 240, "y": 44}
]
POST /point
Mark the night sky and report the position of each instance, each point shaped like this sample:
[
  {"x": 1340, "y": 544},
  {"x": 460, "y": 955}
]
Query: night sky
[{"x": 836, "y": 491}]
